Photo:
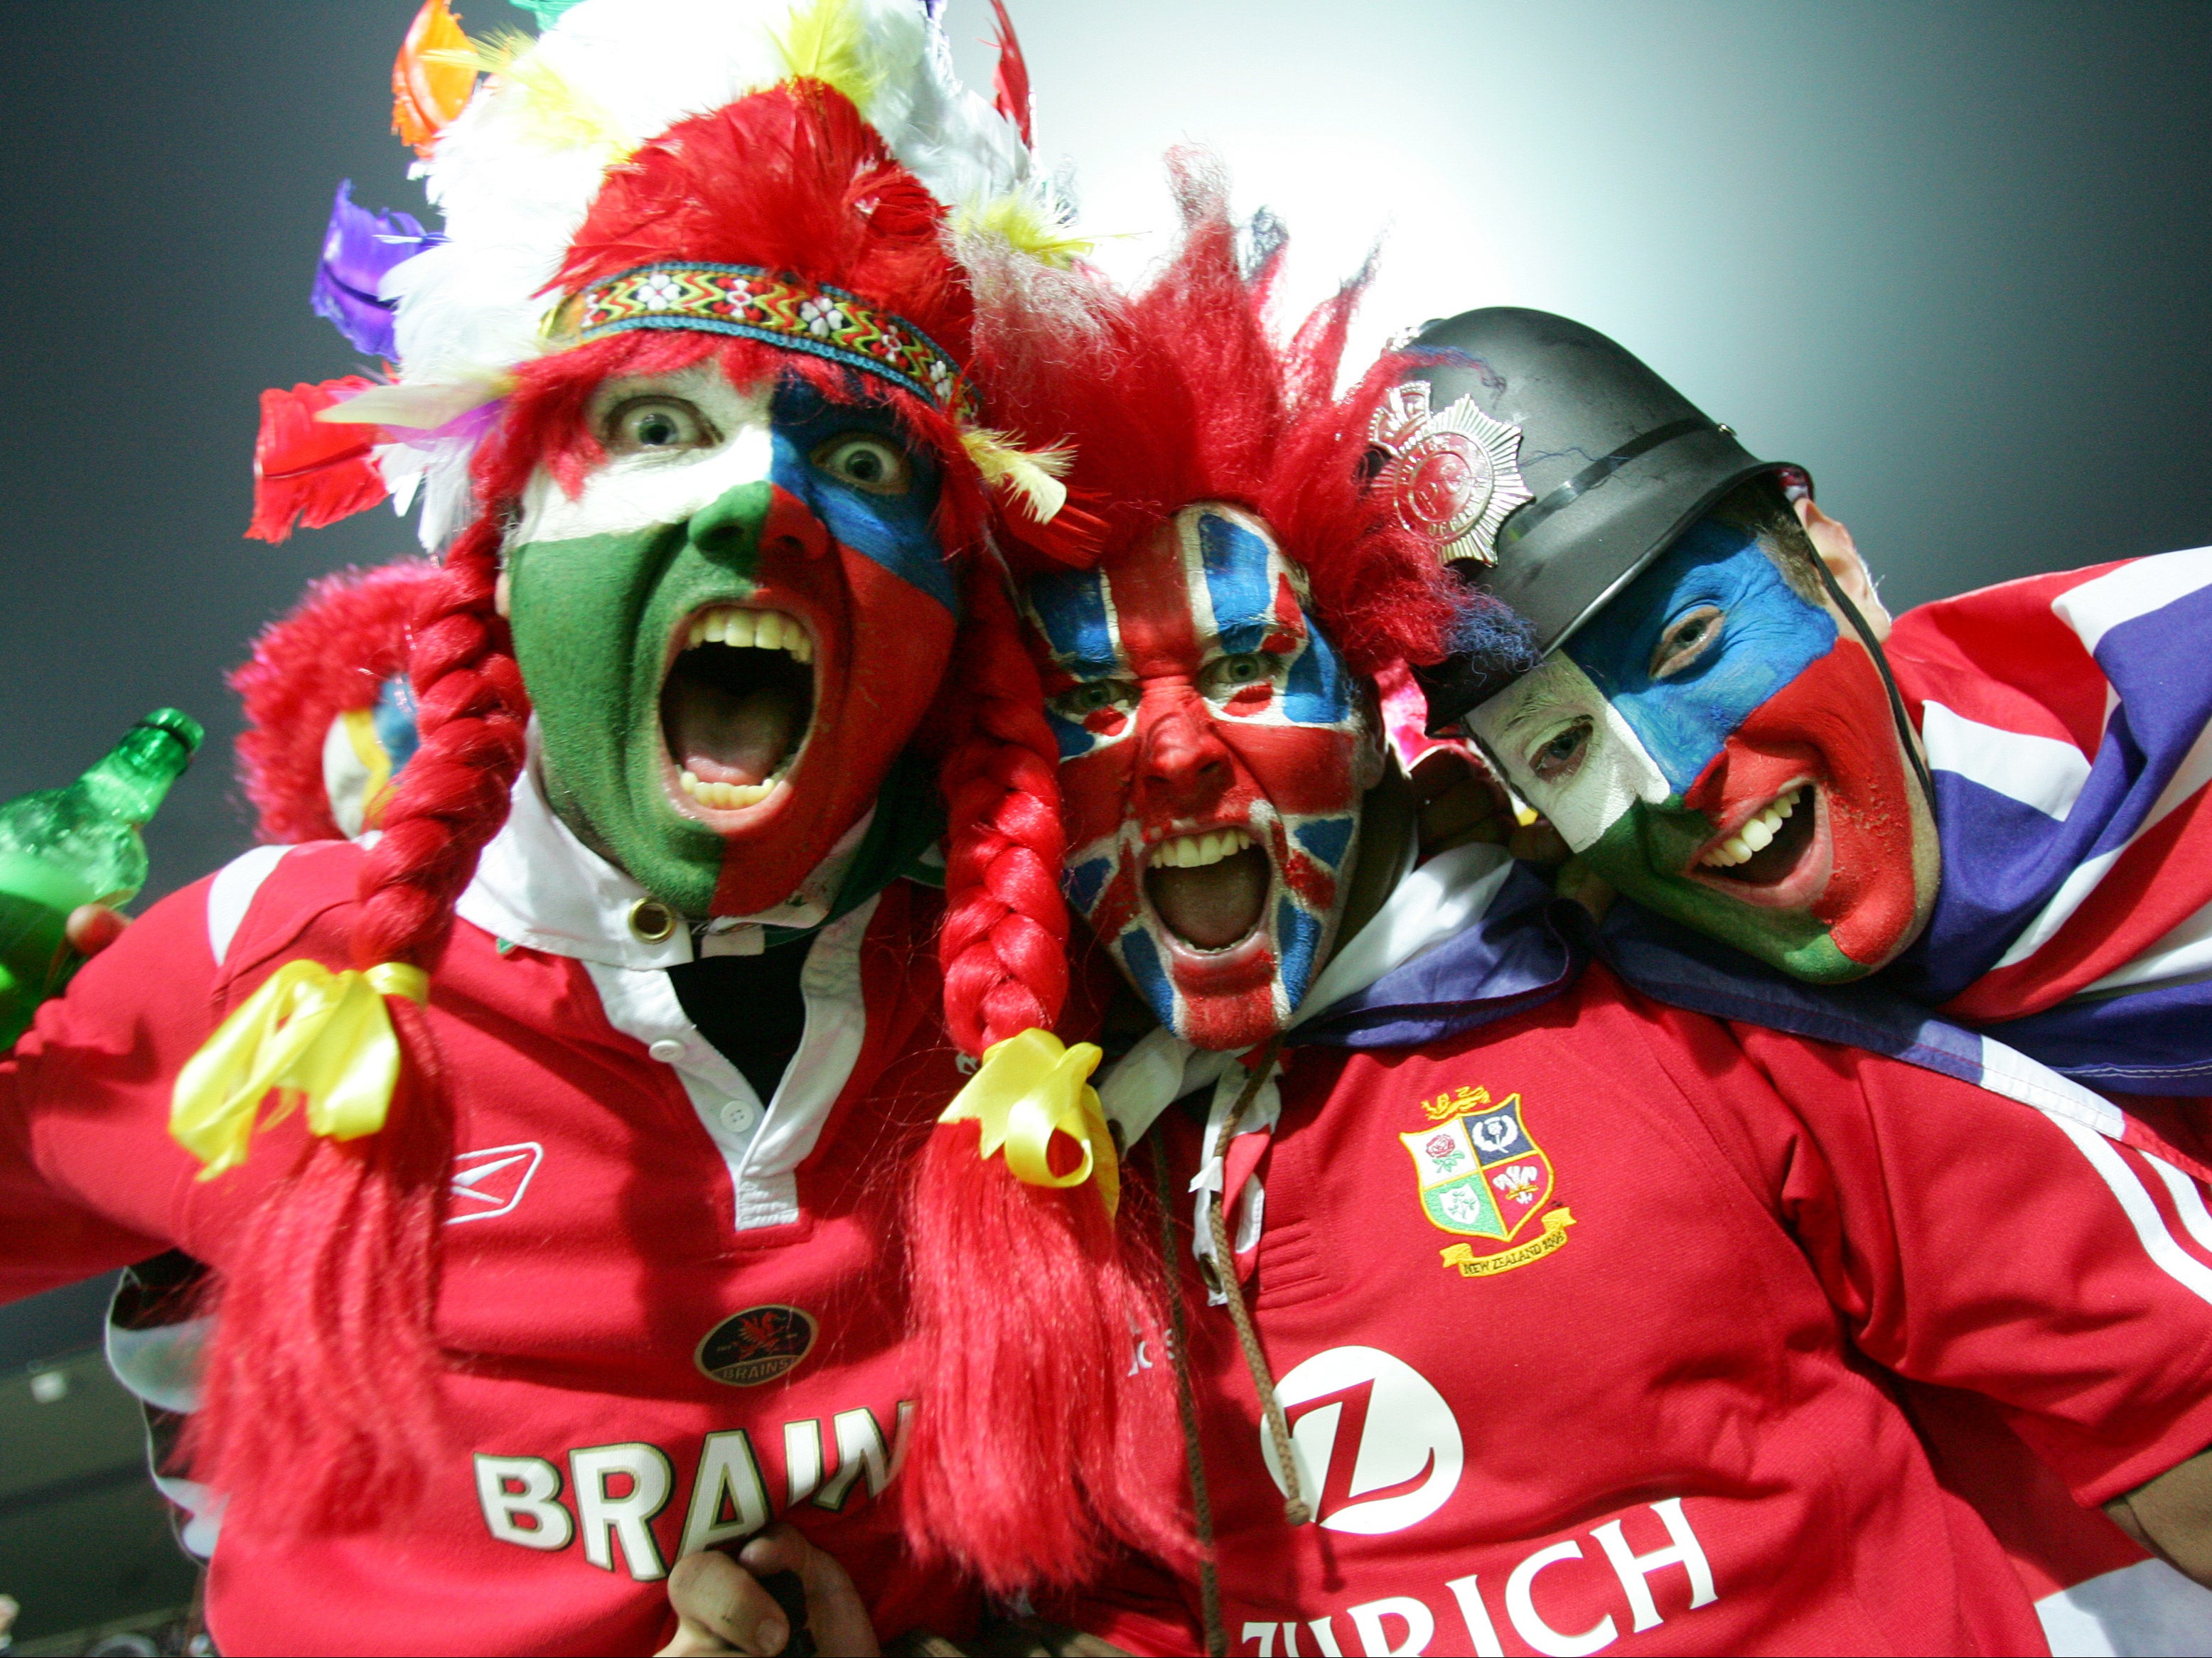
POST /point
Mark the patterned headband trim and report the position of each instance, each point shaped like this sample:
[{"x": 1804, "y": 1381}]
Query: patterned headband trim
[{"x": 750, "y": 303}]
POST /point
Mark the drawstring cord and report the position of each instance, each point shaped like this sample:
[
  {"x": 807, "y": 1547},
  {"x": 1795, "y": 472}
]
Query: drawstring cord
[
  {"x": 1295, "y": 1509},
  {"x": 1193, "y": 1454}
]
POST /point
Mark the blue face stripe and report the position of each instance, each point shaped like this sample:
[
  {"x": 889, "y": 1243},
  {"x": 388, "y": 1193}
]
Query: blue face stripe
[
  {"x": 1299, "y": 935},
  {"x": 1141, "y": 957},
  {"x": 392, "y": 720},
  {"x": 1317, "y": 693},
  {"x": 1325, "y": 838},
  {"x": 1235, "y": 564},
  {"x": 894, "y": 530},
  {"x": 1083, "y": 883},
  {"x": 1072, "y": 606},
  {"x": 1769, "y": 636}
]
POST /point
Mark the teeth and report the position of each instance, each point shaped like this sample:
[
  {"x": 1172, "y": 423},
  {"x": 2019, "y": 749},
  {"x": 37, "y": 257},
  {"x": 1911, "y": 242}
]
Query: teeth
[
  {"x": 1197, "y": 851},
  {"x": 728, "y": 797},
  {"x": 749, "y": 630},
  {"x": 1754, "y": 835}
]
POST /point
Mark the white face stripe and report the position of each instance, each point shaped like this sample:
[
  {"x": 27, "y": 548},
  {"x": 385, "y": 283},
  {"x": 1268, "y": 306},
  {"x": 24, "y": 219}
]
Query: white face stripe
[
  {"x": 634, "y": 492},
  {"x": 1615, "y": 771}
]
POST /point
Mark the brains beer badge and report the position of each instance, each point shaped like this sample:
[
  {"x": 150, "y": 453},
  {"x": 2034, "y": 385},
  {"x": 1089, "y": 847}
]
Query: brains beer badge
[
  {"x": 1482, "y": 1176},
  {"x": 756, "y": 1345}
]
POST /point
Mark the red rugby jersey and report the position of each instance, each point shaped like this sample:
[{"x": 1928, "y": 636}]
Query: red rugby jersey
[
  {"x": 1587, "y": 1322},
  {"x": 597, "y": 1255}
]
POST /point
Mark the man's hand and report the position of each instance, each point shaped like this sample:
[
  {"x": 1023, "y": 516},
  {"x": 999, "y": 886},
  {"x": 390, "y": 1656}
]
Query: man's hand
[
  {"x": 1458, "y": 802},
  {"x": 2172, "y": 1517},
  {"x": 92, "y": 927},
  {"x": 720, "y": 1606}
]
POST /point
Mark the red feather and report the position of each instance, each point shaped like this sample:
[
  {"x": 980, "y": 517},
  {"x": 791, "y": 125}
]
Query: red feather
[
  {"x": 307, "y": 471},
  {"x": 1010, "y": 81},
  {"x": 791, "y": 178}
]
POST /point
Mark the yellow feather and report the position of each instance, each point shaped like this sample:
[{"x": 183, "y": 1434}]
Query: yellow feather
[
  {"x": 558, "y": 114},
  {"x": 1018, "y": 220},
  {"x": 825, "y": 40},
  {"x": 1033, "y": 474}
]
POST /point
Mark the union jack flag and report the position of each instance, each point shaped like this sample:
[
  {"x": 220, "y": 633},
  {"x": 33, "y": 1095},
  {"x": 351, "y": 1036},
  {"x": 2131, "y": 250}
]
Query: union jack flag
[{"x": 2066, "y": 724}]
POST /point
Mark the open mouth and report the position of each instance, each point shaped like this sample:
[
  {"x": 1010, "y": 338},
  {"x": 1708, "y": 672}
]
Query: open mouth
[
  {"x": 1209, "y": 889},
  {"x": 737, "y": 704},
  {"x": 1771, "y": 849}
]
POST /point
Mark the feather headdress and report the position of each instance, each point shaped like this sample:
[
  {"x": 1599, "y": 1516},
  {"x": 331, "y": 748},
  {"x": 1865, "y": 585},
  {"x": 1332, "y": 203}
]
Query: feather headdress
[{"x": 519, "y": 136}]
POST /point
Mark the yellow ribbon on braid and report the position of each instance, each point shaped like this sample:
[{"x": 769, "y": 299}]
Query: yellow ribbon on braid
[
  {"x": 1029, "y": 1088},
  {"x": 310, "y": 1035}
]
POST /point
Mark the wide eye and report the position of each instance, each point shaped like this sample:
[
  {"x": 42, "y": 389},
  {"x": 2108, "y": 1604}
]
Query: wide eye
[
  {"x": 872, "y": 464},
  {"x": 1687, "y": 639},
  {"x": 1225, "y": 677},
  {"x": 1091, "y": 695},
  {"x": 656, "y": 425},
  {"x": 1560, "y": 757}
]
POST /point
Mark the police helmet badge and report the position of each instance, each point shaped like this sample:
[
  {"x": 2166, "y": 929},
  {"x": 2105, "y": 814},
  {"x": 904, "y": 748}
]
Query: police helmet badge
[{"x": 1453, "y": 476}]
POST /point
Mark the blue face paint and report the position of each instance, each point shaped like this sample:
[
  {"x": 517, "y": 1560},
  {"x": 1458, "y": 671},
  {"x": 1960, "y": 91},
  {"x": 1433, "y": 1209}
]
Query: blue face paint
[
  {"x": 1070, "y": 605},
  {"x": 894, "y": 530},
  {"x": 1236, "y": 565},
  {"x": 1766, "y": 636}
]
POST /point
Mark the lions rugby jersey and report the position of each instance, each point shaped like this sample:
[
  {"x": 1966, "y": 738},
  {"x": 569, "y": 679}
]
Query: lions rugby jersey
[
  {"x": 671, "y": 1309},
  {"x": 1587, "y": 1324},
  {"x": 2065, "y": 719}
]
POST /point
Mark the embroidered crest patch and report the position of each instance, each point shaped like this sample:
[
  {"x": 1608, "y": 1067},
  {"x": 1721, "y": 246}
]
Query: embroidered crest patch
[{"x": 1482, "y": 1176}]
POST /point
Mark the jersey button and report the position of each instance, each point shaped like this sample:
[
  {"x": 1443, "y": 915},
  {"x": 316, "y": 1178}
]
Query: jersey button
[
  {"x": 738, "y": 1116},
  {"x": 668, "y": 1050}
]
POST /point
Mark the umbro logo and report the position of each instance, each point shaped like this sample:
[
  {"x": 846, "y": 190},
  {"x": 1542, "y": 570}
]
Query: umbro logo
[{"x": 490, "y": 1183}]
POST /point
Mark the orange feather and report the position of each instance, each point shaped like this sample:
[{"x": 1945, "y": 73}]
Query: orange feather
[{"x": 429, "y": 86}]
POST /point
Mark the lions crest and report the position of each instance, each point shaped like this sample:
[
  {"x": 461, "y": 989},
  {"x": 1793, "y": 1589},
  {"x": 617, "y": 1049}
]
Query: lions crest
[{"x": 1481, "y": 1175}]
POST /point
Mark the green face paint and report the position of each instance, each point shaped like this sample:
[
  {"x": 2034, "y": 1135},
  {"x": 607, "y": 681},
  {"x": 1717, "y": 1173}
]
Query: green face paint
[
  {"x": 729, "y": 632},
  {"x": 1633, "y": 856},
  {"x": 593, "y": 622}
]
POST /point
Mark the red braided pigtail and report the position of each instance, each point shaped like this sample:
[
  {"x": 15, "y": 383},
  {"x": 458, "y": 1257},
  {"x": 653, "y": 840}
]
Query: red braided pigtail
[
  {"x": 320, "y": 1402},
  {"x": 1028, "y": 1308}
]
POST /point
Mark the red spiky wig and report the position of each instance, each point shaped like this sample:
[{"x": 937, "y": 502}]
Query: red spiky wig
[
  {"x": 320, "y": 1388},
  {"x": 1028, "y": 1300},
  {"x": 332, "y": 654}
]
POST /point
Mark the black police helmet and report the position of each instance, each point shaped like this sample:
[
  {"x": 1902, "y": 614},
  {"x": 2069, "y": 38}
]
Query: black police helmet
[{"x": 1618, "y": 463}]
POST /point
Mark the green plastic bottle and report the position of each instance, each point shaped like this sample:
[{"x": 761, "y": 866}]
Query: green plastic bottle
[{"x": 63, "y": 847}]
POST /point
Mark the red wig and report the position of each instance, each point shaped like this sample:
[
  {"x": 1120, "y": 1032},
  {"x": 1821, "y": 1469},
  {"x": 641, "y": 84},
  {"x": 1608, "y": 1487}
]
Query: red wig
[
  {"x": 320, "y": 1390},
  {"x": 331, "y": 654},
  {"x": 1029, "y": 1302}
]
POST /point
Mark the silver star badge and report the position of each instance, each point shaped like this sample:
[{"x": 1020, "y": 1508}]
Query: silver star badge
[{"x": 1453, "y": 478}]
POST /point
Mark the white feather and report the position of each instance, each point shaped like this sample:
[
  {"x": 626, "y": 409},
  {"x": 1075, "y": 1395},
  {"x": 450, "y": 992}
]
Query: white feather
[{"x": 512, "y": 197}]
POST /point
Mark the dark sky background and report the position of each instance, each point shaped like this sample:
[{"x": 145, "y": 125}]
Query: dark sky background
[{"x": 1954, "y": 257}]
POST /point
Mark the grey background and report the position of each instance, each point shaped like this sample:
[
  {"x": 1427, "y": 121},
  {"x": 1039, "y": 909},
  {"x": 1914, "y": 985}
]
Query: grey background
[{"x": 1951, "y": 257}]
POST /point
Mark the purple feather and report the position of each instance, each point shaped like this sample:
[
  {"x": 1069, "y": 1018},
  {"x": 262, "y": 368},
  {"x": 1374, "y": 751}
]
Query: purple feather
[{"x": 358, "y": 248}]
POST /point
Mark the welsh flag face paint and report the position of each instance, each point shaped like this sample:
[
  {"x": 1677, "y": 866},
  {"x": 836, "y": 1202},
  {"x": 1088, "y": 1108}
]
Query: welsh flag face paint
[
  {"x": 1713, "y": 745},
  {"x": 730, "y": 632},
  {"x": 1212, "y": 757}
]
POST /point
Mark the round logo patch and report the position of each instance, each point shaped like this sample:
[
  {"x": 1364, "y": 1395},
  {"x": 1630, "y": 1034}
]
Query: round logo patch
[{"x": 756, "y": 1345}]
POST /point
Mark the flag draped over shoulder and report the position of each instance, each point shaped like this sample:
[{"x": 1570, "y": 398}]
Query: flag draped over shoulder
[{"x": 2066, "y": 724}]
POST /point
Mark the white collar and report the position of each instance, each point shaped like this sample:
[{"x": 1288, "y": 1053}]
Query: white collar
[{"x": 537, "y": 885}]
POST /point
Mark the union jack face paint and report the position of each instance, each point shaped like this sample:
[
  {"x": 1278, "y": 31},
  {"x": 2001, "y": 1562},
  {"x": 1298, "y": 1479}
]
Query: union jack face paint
[{"x": 1213, "y": 752}]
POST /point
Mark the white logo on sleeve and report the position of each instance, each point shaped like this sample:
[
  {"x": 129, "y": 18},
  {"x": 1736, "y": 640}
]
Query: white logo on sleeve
[
  {"x": 1377, "y": 1448},
  {"x": 491, "y": 1182}
]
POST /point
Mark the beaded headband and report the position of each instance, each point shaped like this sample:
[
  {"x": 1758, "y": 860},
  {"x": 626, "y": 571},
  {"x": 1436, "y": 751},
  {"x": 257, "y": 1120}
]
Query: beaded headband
[{"x": 748, "y": 301}]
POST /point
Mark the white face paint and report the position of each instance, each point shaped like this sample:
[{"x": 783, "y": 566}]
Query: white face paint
[
  {"x": 719, "y": 439},
  {"x": 1561, "y": 744}
]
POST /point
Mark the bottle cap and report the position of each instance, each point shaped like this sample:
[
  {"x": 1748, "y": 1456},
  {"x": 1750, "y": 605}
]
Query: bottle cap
[{"x": 175, "y": 722}]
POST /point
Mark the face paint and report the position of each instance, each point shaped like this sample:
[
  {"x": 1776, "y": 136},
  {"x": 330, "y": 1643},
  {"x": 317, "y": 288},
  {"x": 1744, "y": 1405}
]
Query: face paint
[
  {"x": 1213, "y": 752},
  {"x": 1714, "y": 746},
  {"x": 731, "y": 630}
]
